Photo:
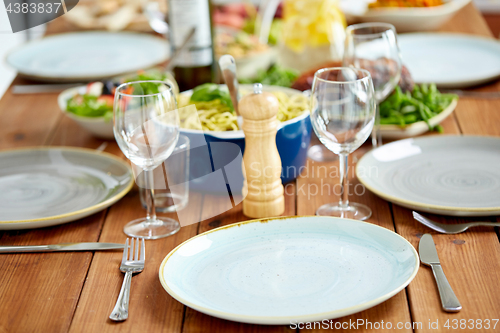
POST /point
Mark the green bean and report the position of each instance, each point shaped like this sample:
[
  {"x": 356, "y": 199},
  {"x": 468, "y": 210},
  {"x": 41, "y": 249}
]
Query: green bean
[{"x": 423, "y": 103}]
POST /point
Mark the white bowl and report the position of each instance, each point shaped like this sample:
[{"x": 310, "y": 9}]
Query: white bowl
[
  {"x": 412, "y": 19},
  {"x": 98, "y": 126}
]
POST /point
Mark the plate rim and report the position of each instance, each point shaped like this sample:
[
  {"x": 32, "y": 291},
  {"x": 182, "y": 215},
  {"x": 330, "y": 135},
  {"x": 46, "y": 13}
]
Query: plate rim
[
  {"x": 95, "y": 207},
  {"x": 426, "y": 207},
  {"x": 285, "y": 320},
  {"x": 65, "y": 78},
  {"x": 470, "y": 37}
]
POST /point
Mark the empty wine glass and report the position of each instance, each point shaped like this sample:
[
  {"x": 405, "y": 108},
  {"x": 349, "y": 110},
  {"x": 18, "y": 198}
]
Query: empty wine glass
[
  {"x": 146, "y": 128},
  {"x": 374, "y": 47},
  {"x": 342, "y": 116}
]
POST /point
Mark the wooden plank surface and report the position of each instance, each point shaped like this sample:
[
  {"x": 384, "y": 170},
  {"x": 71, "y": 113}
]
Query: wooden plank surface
[
  {"x": 40, "y": 292},
  {"x": 471, "y": 260},
  {"x": 76, "y": 292}
]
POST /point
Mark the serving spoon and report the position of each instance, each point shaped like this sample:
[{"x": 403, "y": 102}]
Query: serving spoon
[{"x": 451, "y": 228}]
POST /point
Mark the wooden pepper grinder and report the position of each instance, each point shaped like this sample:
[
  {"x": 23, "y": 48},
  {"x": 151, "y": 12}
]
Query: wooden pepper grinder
[{"x": 262, "y": 188}]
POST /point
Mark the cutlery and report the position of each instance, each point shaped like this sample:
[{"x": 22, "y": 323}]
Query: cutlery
[
  {"x": 451, "y": 228},
  {"x": 429, "y": 256},
  {"x": 156, "y": 18},
  {"x": 228, "y": 68},
  {"x": 61, "y": 247},
  {"x": 133, "y": 263},
  {"x": 42, "y": 88}
]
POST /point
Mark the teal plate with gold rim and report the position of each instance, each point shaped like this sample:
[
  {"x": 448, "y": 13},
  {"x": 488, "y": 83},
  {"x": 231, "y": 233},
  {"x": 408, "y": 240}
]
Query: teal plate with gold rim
[
  {"x": 41, "y": 187},
  {"x": 289, "y": 269}
]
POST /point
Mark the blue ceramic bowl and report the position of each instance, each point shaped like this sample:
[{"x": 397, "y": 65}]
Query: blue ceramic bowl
[{"x": 216, "y": 157}]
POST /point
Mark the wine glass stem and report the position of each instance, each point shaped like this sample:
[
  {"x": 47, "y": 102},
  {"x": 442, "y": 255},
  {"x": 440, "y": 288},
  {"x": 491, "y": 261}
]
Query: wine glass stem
[
  {"x": 376, "y": 134},
  {"x": 151, "y": 211},
  {"x": 344, "y": 182}
]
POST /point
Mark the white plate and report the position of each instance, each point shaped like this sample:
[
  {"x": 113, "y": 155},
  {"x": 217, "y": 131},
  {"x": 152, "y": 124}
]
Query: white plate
[
  {"x": 41, "y": 187},
  {"x": 450, "y": 60},
  {"x": 279, "y": 270},
  {"x": 449, "y": 175},
  {"x": 420, "y": 127},
  {"x": 88, "y": 56}
]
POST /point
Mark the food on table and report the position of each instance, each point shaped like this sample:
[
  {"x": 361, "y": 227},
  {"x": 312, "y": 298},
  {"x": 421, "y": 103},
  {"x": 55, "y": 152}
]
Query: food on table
[
  {"x": 92, "y": 103},
  {"x": 149, "y": 87},
  {"x": 215, "y": 111},
  {"x": 112, "y": 15},
  {"x": 239, "y": 44},
  {"x": 313, "y": 33},
  {"x": 305, "y": 80},
  {"x": 274, "y": 76},
  {"x": 405, "y": 3},
  {"x": 233, "y": 15},
  {"x": 423, "y": 103},
  {"x": 97, "y": 101}
]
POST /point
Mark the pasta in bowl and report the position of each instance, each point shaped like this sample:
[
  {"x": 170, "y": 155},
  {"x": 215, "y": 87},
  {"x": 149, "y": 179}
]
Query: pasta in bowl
[
  {"x": 216, "y": 117},
  {"x": 220, "y": 142}
]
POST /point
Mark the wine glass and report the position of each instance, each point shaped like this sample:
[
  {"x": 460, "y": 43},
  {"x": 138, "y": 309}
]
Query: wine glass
[
  {"x": 374, "y": 47},
  {"x": 146, "y": 128},
  {"x": 342, "y": 116}
]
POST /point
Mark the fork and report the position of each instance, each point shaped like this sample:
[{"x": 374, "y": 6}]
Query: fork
[
  {"x": 131, "y": 264},
  {"x": 451, "y": 228}
]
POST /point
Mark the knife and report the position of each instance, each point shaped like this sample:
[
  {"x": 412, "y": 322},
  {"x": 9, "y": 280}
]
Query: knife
[
  {"x": 62, "y": 247},
  {"x": 429, "y": 256}
]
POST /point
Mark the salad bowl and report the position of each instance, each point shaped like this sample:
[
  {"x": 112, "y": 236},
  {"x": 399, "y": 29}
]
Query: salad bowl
[{"x": 101, "y": 127}]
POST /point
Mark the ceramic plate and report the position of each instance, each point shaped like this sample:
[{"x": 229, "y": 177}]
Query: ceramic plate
[
  {"x": 279, "y": 270},
  {"x": 450, "y": 60},
  {"x": 420, "y": 127},
  {"x": 88, "y": 56},
  {"x": 449, "y": 175},
  {"x": 41, "y": 187}
]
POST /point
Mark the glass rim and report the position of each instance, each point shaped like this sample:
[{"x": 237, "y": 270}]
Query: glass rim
[
  {"x": 170, "y": 88},
  {"x": 328, "y": 69},
  {"x": 353, "y": 27}
]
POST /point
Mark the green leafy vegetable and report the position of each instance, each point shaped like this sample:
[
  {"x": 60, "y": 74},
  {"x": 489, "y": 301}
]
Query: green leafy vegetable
[
  {"x": 147, "y": 88},
  {"x": 91, "y": 106},
  {"x": 274, "y": 76},
  {"x": 423, "y": 103},
  {"x": 210, "y": 91}
]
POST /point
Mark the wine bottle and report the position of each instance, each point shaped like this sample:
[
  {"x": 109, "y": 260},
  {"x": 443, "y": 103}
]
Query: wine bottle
[{"x": 196, "y": 64}]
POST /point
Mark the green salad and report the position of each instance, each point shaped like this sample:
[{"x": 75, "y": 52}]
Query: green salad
[
  {"x": 147, "y": 88},
  {"x": 97, "y": 101},
  {"x": 91, "y": 106},
  {"x": 423, "y": 103},
  {"x": 274, "y": 76}
]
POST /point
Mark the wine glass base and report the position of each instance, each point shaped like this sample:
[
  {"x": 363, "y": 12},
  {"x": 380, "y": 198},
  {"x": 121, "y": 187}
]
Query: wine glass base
[
  {"x": 320, "y": 153},
  {"x": 147, "y": 229},
  {"x": 354, "y": 211}
]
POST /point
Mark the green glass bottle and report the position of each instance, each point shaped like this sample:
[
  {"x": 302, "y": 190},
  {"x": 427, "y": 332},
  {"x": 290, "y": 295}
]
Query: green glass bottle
[{"x": 196, "y": 64}]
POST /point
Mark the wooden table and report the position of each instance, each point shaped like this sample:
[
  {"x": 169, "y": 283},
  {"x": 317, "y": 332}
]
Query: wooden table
[{"x": 60, "y": 292}]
